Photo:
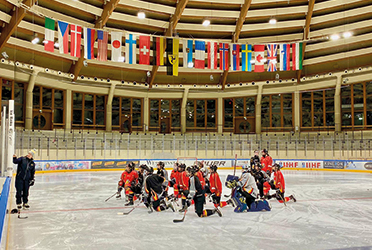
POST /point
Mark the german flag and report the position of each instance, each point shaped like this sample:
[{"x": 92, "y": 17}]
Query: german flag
[
  {"x": 173, "y": 46},
  {"x": 158, "y": 49}
]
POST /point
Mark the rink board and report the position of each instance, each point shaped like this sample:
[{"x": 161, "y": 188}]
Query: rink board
[{"x": 115, "y": 164}]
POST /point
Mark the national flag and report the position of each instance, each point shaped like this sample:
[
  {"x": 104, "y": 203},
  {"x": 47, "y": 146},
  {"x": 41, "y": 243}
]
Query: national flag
[
  {"x": 187, "y": 48},
  {"x": 89, "y": 35},
  {"x": 224, "y": 56},
  {"x": 116, "y": 38},
  {"x": 272, "y": 52},
  {"x": 102, "y": 38},
  {"x": 158, "y": 50},
  {"x": 49, "y": 34},
  {"x": 130, "y": 48},
  {"x": 235, "y": 56},
  {"x": 75, "y": 40},
  {"x": 212, "y": 55},
  {"x": 199, "y": 54},
  {"x": 172, "y": 56},
  {"x": 144, "y": 50},
  {"x": 63, "y": 37},
  {"x": 259, "y": 54},
  {"x": 247, "y": 57},
  {"x": 297, "y": 56},
  {"x": 285, "y": 53}
]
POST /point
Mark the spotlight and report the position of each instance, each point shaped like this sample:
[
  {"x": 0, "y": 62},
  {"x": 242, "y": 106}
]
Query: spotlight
[
  {"x": 303, "y": 78},
  {"x": 5, "y": 55},
  {"x": 2, "y": 60},
  {"x": 240, "y": 84},
  {"x": 82, "y": 77},
  {"x": 148, "y": 73},
  {"x": 59, "y": 73},
  {"x": 228, "y": 85},
  {"x": 218, "y": 85},
  {"x": 122, "y": 82},
  {"x": 267, "y": 82},
  {"x": 72, "y": 76},
  {"x": 345, "y": 71},
  {"x": 272, "y": 21},
  {"x": 194, "y": 85},
  {"x": 293, "y": 79},
  {"x": 108, "y": 79},
  {"x": 85, "y": 63},
  {"x": 141, "y": 15},
  {"x": 335, "y": 37},
  {"x": 330, "y": 73},
  {"x": 168, "y": 86},
  {"x": 95, "y": 78},
  {"x": 280, "y": 80},
  {"x": 46, "y": 70},
  {"x": 156, "y": 85},
  {"x": 17, "y": 64},
  {"x": 134, "y": 82},
  {"x": 347, "y": 34},
  {"x": 253, "y": 83},
  {"x": 180, "y": 85},
  {"x": 359, "y": 68},
  {"x": 31, "y": 66},
  {"x": 316, "y": 76},
  {"x": 146, "y": 84},
  {"x": 206, "y": 85},
  {"x": 206, "y": 23}
]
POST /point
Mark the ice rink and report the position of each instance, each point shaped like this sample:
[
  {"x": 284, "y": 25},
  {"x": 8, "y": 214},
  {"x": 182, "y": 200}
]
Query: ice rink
[{"x": 68, "y": 211}]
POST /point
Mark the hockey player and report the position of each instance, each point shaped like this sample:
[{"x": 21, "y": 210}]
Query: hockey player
[
  {"x": 215, "y": 187},
  {"x": 127, "y": 181},
  {"x": 196, "y": 193},
  {"x": 174, "y": 180},
  {"x": 183, "y": 186},
  {"x": 255, "y": 159},
  {"x": 199, "y": 167},
  {"x": 278, "y": 184},
  {"x": 266, "y": 161},
  {"x": 154, "y": 189},
  {"x": 25, "y": 177},
  {"x": 163, "y": 173},
  {"x": 247, "y": 186},
  {"x": 261, "y": 177}
]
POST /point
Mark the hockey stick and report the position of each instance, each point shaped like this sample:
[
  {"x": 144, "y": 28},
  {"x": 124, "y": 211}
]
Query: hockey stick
[
  {"x": 281, "y": 197},
  {"x": 126, "y": 213},
  {"x": 183, "y": 218},
  {"x": 236, "y": 158},
  {"x": 111, "y": 196},
  {"x": 227, "y": 195}
]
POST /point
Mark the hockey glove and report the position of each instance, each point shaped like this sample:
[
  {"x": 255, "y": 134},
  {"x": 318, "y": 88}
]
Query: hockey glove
[{"x": 32, "y": 182}]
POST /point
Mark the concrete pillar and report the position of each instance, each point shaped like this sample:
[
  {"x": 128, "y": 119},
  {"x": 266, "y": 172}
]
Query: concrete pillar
[
  {"x": 220, "y": 115},
  {"x": 146, "y": 103},
  {"x": 109, "y": 108},
  {"x": 338, "y": 120},
  {"x": 68, "y": 109},
  {"x": 183, "y": 110},
  {"x": 258, "y": 109},
  {"x": 297, "y": 111},
  {"x": 29, "y": 99}
]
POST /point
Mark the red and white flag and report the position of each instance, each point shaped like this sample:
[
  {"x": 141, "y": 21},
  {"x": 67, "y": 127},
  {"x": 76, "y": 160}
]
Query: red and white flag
[
  {"x": 75, "y": 40},
  {"x": 212, "y": 55},
  {"x": 144, "y": 50},
  {"x": 116, "y": 39},
  {"x": 102, "y": 37},
  {"x": 259, "y": 56}
]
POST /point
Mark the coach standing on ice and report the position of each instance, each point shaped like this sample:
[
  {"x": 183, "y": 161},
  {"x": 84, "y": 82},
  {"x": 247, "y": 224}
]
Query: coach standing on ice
[{"x": 24, "y": 178}]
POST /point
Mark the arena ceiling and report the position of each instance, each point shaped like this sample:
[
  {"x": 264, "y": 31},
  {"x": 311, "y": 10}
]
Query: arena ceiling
[{"x": 312, "y": 21}]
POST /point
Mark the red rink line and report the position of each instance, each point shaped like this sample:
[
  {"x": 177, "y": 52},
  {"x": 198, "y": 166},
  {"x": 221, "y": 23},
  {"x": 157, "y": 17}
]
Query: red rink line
[{"x": 113, "y": 208}]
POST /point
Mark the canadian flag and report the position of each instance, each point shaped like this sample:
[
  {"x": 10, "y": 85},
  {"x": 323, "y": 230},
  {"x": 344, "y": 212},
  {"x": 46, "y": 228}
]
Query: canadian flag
[
  {"x": 259, "y": 56},
  {"x": 212, "y": 55},
  {"x": 144, "y": 50}
]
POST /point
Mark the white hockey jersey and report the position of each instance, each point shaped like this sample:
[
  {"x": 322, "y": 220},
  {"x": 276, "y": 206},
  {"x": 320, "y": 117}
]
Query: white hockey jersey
[{"x": 248, "y": 184}]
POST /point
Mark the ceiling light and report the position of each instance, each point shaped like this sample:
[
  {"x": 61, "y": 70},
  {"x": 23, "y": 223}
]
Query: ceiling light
[
  {"x": 190, "y": 64},
  {"x": 347, "y": 34},
  {"x": 335, "y": 37},
  {"x": 141, "y": 15},
  {"x": 206, "y": 23},
  {"x": 272, "y": 21},
  {"x": 35, "y": 40},
  {"x": 5, "y": 55},
  {"x": 56, "y": 45}
]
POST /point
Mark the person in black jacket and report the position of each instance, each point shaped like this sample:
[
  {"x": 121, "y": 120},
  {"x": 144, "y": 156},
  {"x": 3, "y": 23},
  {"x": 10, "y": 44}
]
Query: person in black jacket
[
  {"x": 255, "y": 159},
  {"x": 25, "y": 177}
]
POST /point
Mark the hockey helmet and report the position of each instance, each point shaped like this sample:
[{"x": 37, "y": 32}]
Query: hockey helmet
[{"x": 213, "y": 168}]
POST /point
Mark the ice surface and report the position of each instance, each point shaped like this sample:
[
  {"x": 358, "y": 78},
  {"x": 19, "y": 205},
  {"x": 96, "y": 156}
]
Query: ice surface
[{"x": 333, "y": 211}]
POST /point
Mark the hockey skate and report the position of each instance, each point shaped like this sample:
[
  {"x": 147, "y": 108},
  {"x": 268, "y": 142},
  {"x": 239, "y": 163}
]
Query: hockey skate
[
  {"x": 26, "y": 206},
  {"x": 118, "y": 196},
  {"x": 292, "y": 198},
  {"x": 218, "y": 212}
]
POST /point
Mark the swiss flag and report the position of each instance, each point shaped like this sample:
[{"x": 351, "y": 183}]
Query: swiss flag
[
  {"x": 144, "y": 50},
  {"x": 259, "y": 56}
]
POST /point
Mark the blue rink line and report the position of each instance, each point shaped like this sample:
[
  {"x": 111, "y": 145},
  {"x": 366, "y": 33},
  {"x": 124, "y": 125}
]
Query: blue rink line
[{"x": 3, "y": 204}]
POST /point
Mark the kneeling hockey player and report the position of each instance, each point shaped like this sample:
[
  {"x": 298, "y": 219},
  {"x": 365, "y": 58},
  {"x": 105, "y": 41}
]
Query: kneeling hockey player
[
  {"x": 128, "y": 181},
  {"x": 154, "y": 190},
  {"x": 215, "y": 187},
  {"x": 278, "y": 184},
  {"x": 196, "y": 192}
]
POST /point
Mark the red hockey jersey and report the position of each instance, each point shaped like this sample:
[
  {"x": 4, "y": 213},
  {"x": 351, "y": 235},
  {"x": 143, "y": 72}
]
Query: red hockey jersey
[
  {"x": 215, "y": 184},
  {"x": 266, "y": 163},
  {"x": 279, "y": 181}
]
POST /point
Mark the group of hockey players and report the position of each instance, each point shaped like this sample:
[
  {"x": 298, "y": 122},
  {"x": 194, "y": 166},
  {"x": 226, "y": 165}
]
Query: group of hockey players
[{"x": 197, "y": 184}]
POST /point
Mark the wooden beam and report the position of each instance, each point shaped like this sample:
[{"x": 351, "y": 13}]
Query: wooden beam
[
  {"x": 99, "y": 24},
  {"x": 239, "y": 25},
  {"x": 18, "y": 14},
  {"x": 309, "y": 15},
  {"x": 173, "y": 21}
]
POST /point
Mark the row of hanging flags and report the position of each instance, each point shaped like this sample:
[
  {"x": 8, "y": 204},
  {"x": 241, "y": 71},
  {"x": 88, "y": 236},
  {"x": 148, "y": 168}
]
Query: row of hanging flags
[{"x": 239, "y": 57}]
